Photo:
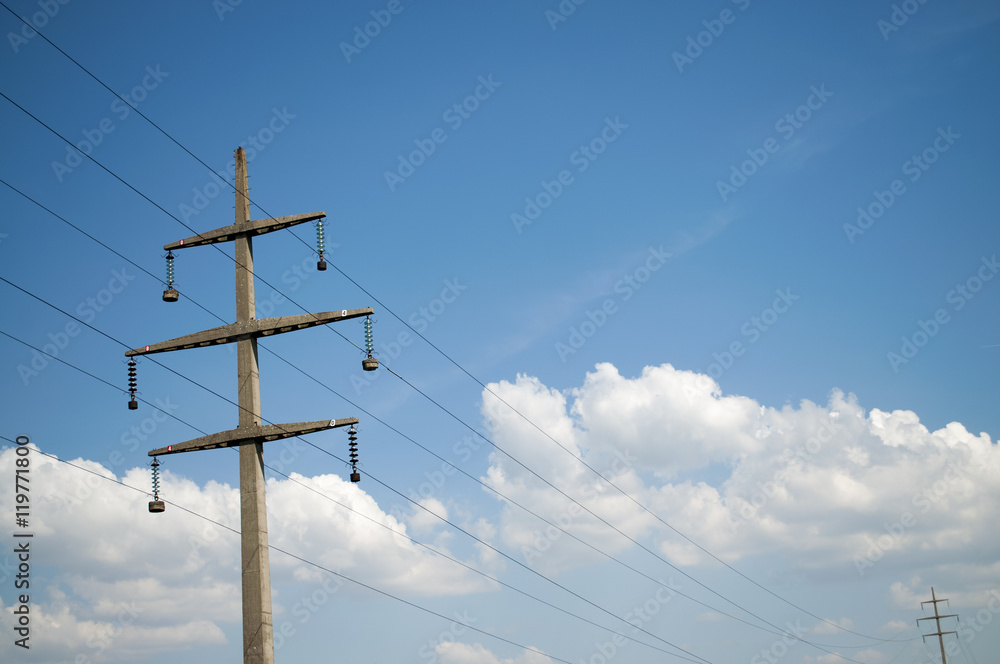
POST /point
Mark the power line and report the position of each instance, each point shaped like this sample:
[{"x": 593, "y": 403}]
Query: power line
[
  {"x": 448, "y": 522},
  {"x": 628, "y": 537},
  {"x": 580, "y": 460},
  {"x": 158, "y": 206},
  {"x": 449, "y": 358},
  {"x": 412, "y": 540},
  {"x": 112, "y": 250},
  {"x": 473, "y": 569},
  {"x": 598, "y": 474},
  {"x": 360, "y": 514},
  {"x": 477, "y": 480},
  {"x": 314, "y": 564},
  {"x": 967, "y": 648},
  {"x": 164, "y": 210},
  {"x": 390, "y": 488},
  {"x": 453, "y": 525},
  {"x": 780, "y": 632}
]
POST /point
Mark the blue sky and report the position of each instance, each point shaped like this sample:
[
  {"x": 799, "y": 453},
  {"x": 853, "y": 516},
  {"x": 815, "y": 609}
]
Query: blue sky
[{"x": 683, "y": 241}]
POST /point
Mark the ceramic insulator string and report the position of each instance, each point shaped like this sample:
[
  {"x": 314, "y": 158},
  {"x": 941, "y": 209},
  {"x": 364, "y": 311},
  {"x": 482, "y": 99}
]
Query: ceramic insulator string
[
  {"x": 369, "y": 345},
  {"x": 132, "y": 383},
  {"x": 352, "y": 436},
  {"x": 156, "y": 478},
  {"x": 170, "y": 295},
  {"x": 170, "y": 269},
  {"x": 320, "y": 245}
]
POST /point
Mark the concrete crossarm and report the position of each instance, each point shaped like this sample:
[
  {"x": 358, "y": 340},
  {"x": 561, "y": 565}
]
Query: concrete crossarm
[
  {"x": 250, "y": 435},
  {"x": 258, "y": 227},
  {"x": 262, "y": 327}
]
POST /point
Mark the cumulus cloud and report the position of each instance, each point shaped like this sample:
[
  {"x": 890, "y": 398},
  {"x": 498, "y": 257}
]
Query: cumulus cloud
[
  {"x": 115, "y": 580},
  {"x": 460, "y": 653},
  {"x": 828, "y": 486},
  {"x": 123, "y": 633}
]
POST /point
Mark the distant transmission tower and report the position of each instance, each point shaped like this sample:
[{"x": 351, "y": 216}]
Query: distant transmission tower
[{"x": 937, "y": 621}]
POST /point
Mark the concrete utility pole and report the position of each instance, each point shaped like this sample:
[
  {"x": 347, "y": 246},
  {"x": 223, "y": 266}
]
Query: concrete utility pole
[
  {"x": 251, "y": 434},
  {"x": 937, "y": 618}
]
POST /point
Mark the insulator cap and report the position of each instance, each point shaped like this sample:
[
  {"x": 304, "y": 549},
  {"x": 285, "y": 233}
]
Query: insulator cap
[
  {"x": 369, "y": 364},
  {"x": 170, "y": 295},
  {"x": 156, "y": 506}
]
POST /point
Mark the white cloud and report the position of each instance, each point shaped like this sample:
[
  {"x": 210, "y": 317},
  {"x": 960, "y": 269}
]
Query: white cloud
[
  {"x": 710, "y": 616},
  {"x": 123, "y": 632},
  {"x": 865, "y": 657},
  {"x": 97, "y": 552},
  {"x": 429, "y": 518},
  {"x": 818, "y": 486},
  {"x": 460, "y": 653},
  {"x": 828, "y": 487},
  {"x": 895, "y": 626}
]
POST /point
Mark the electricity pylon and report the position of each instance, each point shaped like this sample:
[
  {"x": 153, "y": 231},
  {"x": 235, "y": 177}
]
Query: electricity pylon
[
  {"x": 937, "y": 618},
  {"x": 250, "y": 435}
]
